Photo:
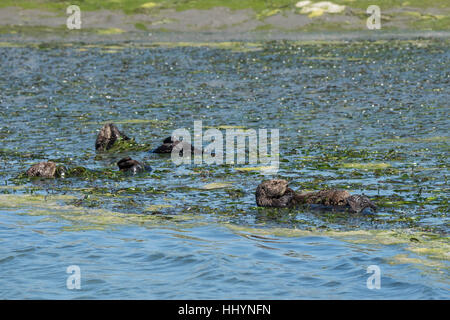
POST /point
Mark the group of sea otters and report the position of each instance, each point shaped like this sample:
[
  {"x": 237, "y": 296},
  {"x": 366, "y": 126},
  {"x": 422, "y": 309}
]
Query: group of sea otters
[{"x": 269, "y": 193}]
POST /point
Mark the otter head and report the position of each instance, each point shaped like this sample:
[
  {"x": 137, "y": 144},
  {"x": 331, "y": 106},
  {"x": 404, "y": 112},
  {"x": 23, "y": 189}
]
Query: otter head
[
  {"x": 129, "y": 165},
  {"x": 60, "y": 172},
  {"x": 274, "y": 188},
  {"x": 169, "y": 140},
  {"x": 360, "y": 203},
  {"x": 46, "y": 169},
  {"x": 274, "y": 193},
  {"x": 107, "y": 136}
]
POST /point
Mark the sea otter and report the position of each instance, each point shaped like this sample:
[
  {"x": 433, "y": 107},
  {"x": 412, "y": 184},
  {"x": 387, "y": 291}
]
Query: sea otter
[
  {"x": 169, "y": 143},
  {"x": 107, "y": 136},
  {"x": 129, "y": 165},
  {"x": 46, "y": 170},
  {"x": 276, "y": 193}
]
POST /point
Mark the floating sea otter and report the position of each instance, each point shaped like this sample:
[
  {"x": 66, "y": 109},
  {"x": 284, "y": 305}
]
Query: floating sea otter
[
  {"x": 107, "y": 136},
  {"x": 46, "y": 170},
  {"x": 129, "y": 165},
  {"x": 276, "y": 193},
  {"x": 52, "y": 170},
  {"x": 170, "y": 143}
]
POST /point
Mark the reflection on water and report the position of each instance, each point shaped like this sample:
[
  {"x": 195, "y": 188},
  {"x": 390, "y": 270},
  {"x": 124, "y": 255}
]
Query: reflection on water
[{"x": 368, "y": 117}]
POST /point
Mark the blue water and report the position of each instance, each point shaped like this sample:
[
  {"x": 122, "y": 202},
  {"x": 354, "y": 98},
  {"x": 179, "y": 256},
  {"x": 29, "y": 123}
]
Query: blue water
[{"x": 199, "y": 262}]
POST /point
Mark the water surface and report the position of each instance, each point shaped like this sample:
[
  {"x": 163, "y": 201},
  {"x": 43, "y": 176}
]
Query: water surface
[{"x": 367, "y": 116}]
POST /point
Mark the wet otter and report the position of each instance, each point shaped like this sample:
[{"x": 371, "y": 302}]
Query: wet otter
[
  {"x": 107, "y": 136},
  {"x": 46, "y": 170},
  {"x": 169, "y": 143},
  {"x": 276, "y": 193},
  {"x": 129, "y": 165},
  {"x": 359, "y": 203},
  {"x": 332, "y": 197}
]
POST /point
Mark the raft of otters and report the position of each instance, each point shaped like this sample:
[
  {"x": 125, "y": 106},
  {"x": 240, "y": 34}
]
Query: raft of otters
[
  {"x": 107, "y": 138},
  {"x": 270, "y": 193}
]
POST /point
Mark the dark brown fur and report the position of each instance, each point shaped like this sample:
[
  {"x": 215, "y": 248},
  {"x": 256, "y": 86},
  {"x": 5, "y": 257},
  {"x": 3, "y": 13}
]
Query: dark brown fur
[
  {"x": 130, "y": 165},
  {"x": 330, "y": 197},
  {"x": 360, "y": 202},
  {"x": 46, "y": 170},
  {"x": 169, "y": 144},
  {"x": 107, "y": 136},
  {"x": 276, "y": 193}
]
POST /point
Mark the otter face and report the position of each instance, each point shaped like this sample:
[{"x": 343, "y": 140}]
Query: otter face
[
  {"x": 61, "y": 171},
  {"x": 167, "y": 146},
  {"x": 338, "y": 198},
  {"x": 360, "y": 203},
  {"x": 274, "y": 193},
  {"x": 129, "y": 165},
  {"x": 274, "y": 188}
]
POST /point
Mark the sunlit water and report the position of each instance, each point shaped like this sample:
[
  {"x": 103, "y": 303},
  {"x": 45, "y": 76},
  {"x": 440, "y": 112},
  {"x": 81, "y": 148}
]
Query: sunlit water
[{"x": 369, "y": 117}]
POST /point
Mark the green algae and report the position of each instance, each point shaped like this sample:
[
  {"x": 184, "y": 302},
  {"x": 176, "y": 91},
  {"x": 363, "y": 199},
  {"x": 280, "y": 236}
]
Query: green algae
[
  {"x": 259, "y": 6},
  {"x": 109, "y": 31},
  {"x": 23, "y": 155},
  {"x": 406, "y": 259},
  {"x": 131, "y": 121},
  {"x": 365, "y": 166},
  {"x": 5, "y": 44},
  {"x": 435, "y": 248},
  {"x": 267, "y": 13},
  {"x": 14, "y": 187},
  {"x": 235, "y": 46},
  {"x": 257, "y": 10},
  {"x": 122, "y": 145},
  {"x": 158, "y": 207},
  {"x": 216, "y": 185},
  {"x": 260, "y": 168},
  {"x": 418, "y": 140},
  {"x": 82, "y": 218},
  {"x": 32, "y": 200}
]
